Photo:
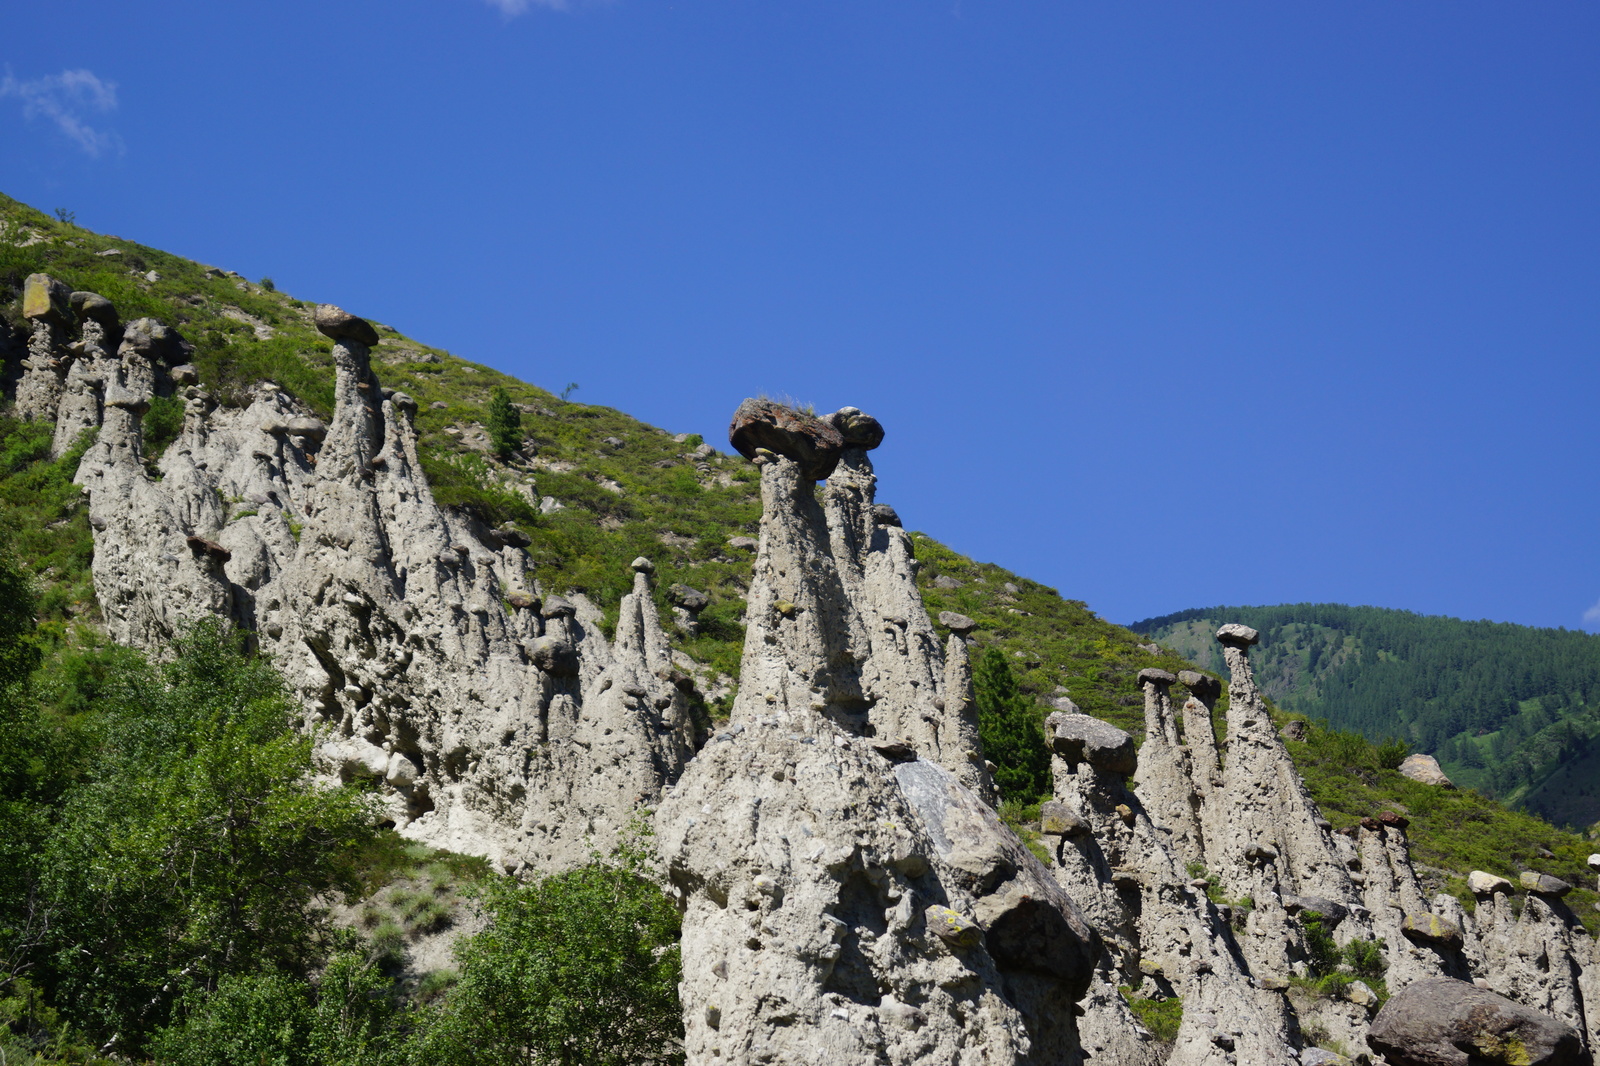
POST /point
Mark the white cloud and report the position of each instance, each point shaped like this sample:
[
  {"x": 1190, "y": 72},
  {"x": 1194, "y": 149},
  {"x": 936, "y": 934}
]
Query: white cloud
[
  {"x": 69, "y": 99},
  {"x": 1591, "y": 617},
  {"x": 513, "y": 8}
]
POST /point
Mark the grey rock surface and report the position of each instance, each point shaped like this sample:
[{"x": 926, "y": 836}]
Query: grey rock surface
[{"x": 1442, "y": 1022}]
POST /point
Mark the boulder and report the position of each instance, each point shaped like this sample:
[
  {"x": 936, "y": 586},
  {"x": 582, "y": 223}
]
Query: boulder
[
  {"x": 1444, "y": 1022},
  {"x": 945, "y": 581},
  {"x": 957, "y": 623},
  {"x": 558, "y": 607},
  {"x": 309, "y": 428},
  {"x": 148, "y": 337},
  {"x": 1330, "y": 912},
  {"x": 341, "y": 325},
  {"x": 1486, "y": 884},
  {"x": 690, "y": 599},
  {"x": 1425, "y": 768},
  {"x": 1295, "y": 729},
  {"x": 1544, "y": 884},
  {"x": 1151, "y": 675},
  {"x": 765, "y": 424},
  {"x": 1238, "y": 635},
  {"x": 44, "y": 299},
  {"x": 92, "y": 305},
  {"x": 554, "y": 656},
  {"x": 1203, "y": 686},
  {"x": 1392, "y": 820},
  {"x": 858, "y": 430},
  {"x": 184, "y": 374},
  {"x": 747, "y": 544},
  {"x": 1080, "y": 738},
  {"x": 1431, "y": 929},
  {"x": 1059, "y": 819},
  {"x": 884, "y": 515}
]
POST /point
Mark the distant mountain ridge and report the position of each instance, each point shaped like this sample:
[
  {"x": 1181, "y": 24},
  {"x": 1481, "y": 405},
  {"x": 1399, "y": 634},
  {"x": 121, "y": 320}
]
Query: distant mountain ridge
[{"x": 1510, "y": 710}]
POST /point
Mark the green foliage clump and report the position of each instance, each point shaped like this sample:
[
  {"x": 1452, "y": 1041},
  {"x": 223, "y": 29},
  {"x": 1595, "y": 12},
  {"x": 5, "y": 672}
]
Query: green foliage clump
[
  {"x": 1009, "y": 725},
  {"x": 347, "y": 1017},
  {"x": 188, "y": 844},
  {"x": 1162, "y": 1017},
  {"x": 162, "y": 424},
  {"x": 504, "y": 423},
  {"x": 575, "y": 969}
]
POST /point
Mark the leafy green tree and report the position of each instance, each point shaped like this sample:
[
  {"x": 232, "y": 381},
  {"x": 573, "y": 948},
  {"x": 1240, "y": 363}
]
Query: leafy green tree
[
  {"x": 576, "y": 968},
  {"x": 505, "y": 423},
  {"x": 347, "y": 1017},
  {"x": 198, "y": 846},
  {"x": 1009, "y": 725}
]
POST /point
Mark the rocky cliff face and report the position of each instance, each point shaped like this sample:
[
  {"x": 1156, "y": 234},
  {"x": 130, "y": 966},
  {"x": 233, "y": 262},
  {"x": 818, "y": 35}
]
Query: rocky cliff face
[
  {"x": 848, "y": 890},
  {"x": 499, "y": 718}
]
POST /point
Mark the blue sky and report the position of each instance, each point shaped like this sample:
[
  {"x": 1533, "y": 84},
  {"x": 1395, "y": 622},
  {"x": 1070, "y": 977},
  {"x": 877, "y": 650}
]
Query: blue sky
[{"x": 1162, "y": 304}]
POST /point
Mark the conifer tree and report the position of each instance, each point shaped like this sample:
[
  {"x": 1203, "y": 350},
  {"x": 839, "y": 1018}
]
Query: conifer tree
[
  {"x": 1008, "y": 723},
  {"x": 505, "y": 423}
]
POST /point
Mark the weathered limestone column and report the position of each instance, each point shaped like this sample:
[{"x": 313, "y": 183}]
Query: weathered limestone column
[
  {"x": 45, "y": 305},
  {"x": 1166, "y": 786},
  {"x": 1267, "y": 803},
  {"x": 960, "y": 746},
  {"x": 85, "y": 383}
]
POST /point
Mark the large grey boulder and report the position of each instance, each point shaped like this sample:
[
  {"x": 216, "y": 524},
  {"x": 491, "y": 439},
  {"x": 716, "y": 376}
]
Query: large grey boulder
[
  {"x": 1445, "y": 1022},
  {"x": 1080, "y": 738},
  {"x": 1425, "y": 769}
]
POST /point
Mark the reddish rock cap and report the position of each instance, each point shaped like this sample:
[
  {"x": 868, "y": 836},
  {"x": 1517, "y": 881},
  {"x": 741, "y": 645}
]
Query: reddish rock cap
[{"x": 809, "y": 441}]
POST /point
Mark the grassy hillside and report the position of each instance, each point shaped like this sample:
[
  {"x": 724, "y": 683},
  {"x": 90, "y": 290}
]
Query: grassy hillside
[
  {"x": 1510, "y": 710},
  {"x": 626, "y": 489}
]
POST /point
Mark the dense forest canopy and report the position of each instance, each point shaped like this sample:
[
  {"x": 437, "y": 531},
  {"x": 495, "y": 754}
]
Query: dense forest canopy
[{"x": 1505, "y": 708}]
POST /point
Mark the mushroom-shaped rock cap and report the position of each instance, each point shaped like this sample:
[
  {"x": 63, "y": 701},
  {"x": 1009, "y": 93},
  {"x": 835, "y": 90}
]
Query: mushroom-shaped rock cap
[
  {"x": 858, "y": 430},
  {"x": 558, "y": 607},
  {"x": 341, "y": 325},
  {"x": 1238, "y": 635},
  {"x": 93, "y": 305},
  {"x": 310, "y": 428},
  {"x": 1080, "y": 738},
  {"x": 809, "y": 441},
  {"x": 1151, "y": 675},
  {"x": 46, "y": 299},
  {"x": 148, "y": 337},
  {"x": 957, "y": 623},
  {"x": 643, "y": 566},
  {"x": 690, "y": 599},
  {"x": 1201, "y": 685},
  {"x": 1544, "y": 884},
  {"x": 884, "y": 515},
  {"x": 1486, "y": 884}
]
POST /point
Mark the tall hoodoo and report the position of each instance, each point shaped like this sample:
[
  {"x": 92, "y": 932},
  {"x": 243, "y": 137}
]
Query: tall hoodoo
[{"x": 846, "y": 896}]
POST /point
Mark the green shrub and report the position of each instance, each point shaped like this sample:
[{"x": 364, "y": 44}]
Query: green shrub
[
  {"x": 162, "y": 424},
  {"x": 576, "y": 968},
  {"x": 1163, "y": 1017}
]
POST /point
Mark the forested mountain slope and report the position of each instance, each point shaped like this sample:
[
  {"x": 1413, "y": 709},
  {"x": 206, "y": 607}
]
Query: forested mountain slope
[{"x": 1511, "y": 710}]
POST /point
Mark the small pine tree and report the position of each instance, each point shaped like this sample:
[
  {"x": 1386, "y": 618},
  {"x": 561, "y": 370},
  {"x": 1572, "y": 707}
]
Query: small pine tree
[
  {"x": 1008, "y": 724},
  {"x": 505, "y": 423}
]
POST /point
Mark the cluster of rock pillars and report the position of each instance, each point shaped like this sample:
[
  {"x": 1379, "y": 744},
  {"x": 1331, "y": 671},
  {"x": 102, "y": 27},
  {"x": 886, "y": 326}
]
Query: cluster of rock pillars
[{"x": 849, "y": 894}]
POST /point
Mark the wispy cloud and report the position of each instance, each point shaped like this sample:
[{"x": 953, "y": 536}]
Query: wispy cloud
[
  {"x": 513, "y": 8},
  {"x": 69, "y": 99},
  {"x": 1591, "y": 617}
]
